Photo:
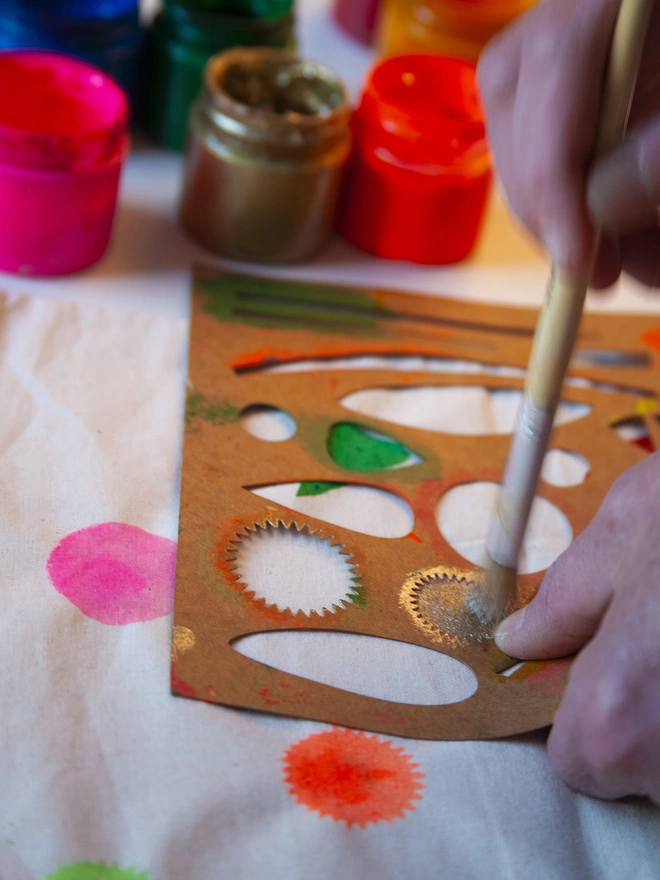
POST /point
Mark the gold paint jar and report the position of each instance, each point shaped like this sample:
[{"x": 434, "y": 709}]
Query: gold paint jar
[{"x": 268, "y": 137}]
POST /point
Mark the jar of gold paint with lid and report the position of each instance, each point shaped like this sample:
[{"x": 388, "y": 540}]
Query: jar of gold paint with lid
[
  {"x": 456, "y": 28},
  {"x": 268, "y": 140}
]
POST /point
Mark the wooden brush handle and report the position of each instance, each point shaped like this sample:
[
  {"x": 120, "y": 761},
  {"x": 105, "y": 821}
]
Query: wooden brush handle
[{"x": 560, "y": 316}]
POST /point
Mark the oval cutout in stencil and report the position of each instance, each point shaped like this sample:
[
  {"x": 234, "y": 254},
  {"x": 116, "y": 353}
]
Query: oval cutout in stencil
[
  {"x": 267, "y": 422},
  {"x": 365, "y": 665},
  {"x": 402, "y": 362},
  {"x": 356, "y": 448},
  {"x": 451, "y": 409},
  {"x": 564, "y": 468},
  {"x": 465, "y": 515},
  {"x": 362, "y": 509}
]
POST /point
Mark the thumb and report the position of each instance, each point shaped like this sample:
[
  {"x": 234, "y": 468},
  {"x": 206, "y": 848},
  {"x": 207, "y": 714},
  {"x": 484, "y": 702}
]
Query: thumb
[
  {"x": 568, "y": 607},
  {"x": 623, "y": 192}
]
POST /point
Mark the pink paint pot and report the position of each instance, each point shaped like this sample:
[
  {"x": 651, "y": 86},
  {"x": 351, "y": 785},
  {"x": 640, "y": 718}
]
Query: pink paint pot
[{"x": 63, "y": 138}]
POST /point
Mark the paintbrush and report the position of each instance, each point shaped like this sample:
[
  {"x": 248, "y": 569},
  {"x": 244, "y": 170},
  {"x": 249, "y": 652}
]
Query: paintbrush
[{"x": 494, "y": 595}]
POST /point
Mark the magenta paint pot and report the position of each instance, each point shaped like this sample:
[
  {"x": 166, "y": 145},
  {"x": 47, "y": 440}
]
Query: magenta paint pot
[{"x": 63, "y": 138}]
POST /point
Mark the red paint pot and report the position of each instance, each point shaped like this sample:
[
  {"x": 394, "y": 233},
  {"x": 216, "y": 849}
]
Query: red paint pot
[
  {"x": 418, "y": 178},
  {"x": 63, "y": 137},
  {"x": 357, "y": 18}
]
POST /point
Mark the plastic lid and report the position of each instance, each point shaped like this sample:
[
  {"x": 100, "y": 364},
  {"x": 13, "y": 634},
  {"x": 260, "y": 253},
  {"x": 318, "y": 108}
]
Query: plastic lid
[
  {"x": 425, "y": 109},
  {"x": 58, "y": 113}
]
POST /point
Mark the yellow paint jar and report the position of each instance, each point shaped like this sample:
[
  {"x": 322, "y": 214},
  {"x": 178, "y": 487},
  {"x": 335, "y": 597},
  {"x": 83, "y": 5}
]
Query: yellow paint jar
[
  {"x": 457, "y": 28},
  {"x": 268, "y": 138}
]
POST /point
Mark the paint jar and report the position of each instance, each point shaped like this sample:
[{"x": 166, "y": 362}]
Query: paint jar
[
  {"x": 457, "y": 28},
  {"x": 269, "y": 138},
  {"x": 418, "y": 177},
  {"x": 260, "y": 8},
  {"x": 105, "y": 33},
  {"x": 63, "y": 137},
  {"x": 181, "y": 41},
  {"x": 357, "y": 18}
]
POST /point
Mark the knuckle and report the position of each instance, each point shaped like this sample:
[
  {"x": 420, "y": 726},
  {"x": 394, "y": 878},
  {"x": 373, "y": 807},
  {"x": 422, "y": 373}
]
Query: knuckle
[{"x": 497, "y": 74}]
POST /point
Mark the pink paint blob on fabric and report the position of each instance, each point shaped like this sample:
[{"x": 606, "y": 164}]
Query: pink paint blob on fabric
[{"x": 115, "y": 573}]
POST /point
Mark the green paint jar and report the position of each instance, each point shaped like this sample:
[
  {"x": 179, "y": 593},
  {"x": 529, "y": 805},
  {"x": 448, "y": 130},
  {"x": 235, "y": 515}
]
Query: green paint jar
[
  {"x": 261, "y": 8},
  {"x": 181, "y": 41}
]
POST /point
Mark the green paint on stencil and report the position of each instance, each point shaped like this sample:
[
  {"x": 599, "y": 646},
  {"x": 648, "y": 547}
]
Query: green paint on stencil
[
  {"x": 317, "y": 488},
  {"x": 357, "y": 449},
  {"x": 217, "y": 412},
  {"x": 267, "y": 302},
  {"x": 358, "y": 596},
  {"x": 96, "y": 871}
]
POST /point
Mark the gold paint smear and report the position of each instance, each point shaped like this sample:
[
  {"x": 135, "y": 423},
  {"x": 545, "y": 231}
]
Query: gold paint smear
[
  {"x": 183, "y": 640},
  {"x": 435, "y": 599}
]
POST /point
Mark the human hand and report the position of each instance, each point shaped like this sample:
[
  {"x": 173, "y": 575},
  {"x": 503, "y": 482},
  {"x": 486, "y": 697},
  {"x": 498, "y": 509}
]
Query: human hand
[
  {"x": 603, "y": 596},
  {"x": 540, "y": 81}
]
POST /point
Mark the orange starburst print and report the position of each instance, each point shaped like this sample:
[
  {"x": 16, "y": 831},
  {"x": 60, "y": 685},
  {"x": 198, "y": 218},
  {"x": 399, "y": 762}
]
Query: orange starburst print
[{"x": 353, "y": 777}]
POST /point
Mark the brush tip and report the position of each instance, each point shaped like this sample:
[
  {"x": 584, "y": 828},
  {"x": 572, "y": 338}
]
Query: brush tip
[{"x": 494, "y": 593}]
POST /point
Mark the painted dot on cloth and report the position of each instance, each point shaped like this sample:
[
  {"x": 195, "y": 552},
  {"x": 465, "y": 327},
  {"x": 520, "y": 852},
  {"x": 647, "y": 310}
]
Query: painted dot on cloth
[
  {"x": 96, "y": 871},
  {"x": 352, "y": 777},
  {"x": 115, "y": 573}
]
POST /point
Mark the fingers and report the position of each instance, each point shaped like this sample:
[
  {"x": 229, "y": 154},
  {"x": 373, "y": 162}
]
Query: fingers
[
  {"x": 566, "y": 612},
  {"x": 608, "y": 264},
  {"x": 640, "y": 255},
  {"x": 624, "y": 188},
  {"x": 541, "y": 87},
  {"x": 604, "y": 741}
]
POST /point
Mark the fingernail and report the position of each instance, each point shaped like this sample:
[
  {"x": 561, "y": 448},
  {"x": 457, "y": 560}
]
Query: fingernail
[{"x": 509, "y": 626}]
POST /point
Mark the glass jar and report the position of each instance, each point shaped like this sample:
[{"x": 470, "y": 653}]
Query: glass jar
[
  {"x": 105, "y": 33},
  {"x": 418, "y": 177},
  {"x": 268, "y": 139},
  {"x": 180, "y": 43},
  {"x": 457, "y": 28}
]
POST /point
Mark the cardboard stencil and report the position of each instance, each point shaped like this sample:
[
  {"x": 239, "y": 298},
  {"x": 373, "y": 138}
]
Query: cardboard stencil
[{"x": 410, "y": 589}]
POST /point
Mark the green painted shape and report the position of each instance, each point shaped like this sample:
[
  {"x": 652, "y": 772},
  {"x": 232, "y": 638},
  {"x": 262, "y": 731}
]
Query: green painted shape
[
  {"x": 352, "y": 448},
  {"x": 268, "y": 302},
  {"x": 317, "y": 488},
  {"x": 217, "y": 412},
  {"x": 96, "y": 871}
]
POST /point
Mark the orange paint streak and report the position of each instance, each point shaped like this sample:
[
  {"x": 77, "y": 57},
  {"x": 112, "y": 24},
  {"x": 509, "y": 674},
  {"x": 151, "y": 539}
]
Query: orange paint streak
[
  {"x": 545, "y": 674},
  {"x": 414, "y": 537},
  {"x": 352, "y": 777},
  {"x": 182, "y": 687},
  {"x": 652, "y": 338}
]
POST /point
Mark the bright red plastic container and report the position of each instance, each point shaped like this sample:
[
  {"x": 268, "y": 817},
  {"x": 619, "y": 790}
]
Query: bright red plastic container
[
  {"x": 419, "y": 174},
  {"x": 63, "y": 138}
]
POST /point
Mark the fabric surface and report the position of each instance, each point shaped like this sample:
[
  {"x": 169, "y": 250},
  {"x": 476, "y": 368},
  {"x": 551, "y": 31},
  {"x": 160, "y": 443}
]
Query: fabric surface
[{"x": 106, "y": 776}]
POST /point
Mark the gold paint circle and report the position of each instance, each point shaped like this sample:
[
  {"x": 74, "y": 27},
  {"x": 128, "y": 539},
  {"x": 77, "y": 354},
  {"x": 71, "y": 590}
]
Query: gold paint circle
[{"x": 435, "y": 599}]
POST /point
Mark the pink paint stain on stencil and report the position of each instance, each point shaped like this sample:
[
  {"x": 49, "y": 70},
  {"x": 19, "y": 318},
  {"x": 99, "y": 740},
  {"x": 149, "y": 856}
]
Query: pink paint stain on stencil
[{"x": 115, "y": 573}]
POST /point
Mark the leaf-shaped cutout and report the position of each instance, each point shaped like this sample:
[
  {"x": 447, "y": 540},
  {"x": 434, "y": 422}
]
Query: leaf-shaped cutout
[
  {"x": 451, "y": 409},
  {"x": 363, "y": 509},
  {"x": 367, "y": 665},
  {"x": 357, "y": 448}
]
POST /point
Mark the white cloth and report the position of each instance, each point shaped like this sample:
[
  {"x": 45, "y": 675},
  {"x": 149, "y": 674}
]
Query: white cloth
[{"x": 99, "y": 763}]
